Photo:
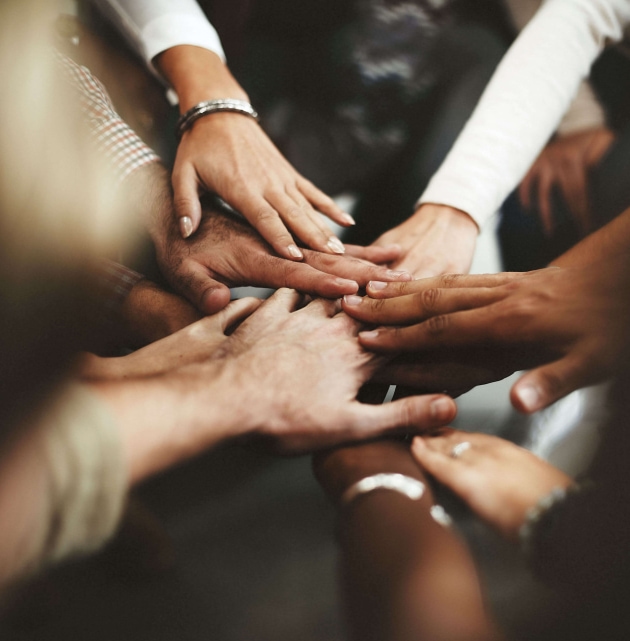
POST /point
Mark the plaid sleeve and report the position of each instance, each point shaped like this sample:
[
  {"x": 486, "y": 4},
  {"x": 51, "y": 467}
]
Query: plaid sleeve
[{"x": 122, "y": 147}]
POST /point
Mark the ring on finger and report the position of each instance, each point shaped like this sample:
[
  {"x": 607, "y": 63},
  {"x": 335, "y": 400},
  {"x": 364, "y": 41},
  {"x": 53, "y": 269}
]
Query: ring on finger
[{"x": 460, "y": 448}]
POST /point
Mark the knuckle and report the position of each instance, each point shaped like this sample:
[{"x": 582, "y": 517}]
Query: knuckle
[
  {"x": 293, "y": 213},
  {"x": 448, "y": 280},
  {"x": 265, "y": 215},
  {"x": 437, "y": 324},
  {"x": 429, "y": 299},
  {"x": 377, "y": 305}
]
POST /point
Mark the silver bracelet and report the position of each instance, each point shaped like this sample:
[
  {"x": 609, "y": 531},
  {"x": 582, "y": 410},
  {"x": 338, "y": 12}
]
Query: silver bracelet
[
  {"x": 186, "y": 120},
  {"x": 405, "y": 485}
]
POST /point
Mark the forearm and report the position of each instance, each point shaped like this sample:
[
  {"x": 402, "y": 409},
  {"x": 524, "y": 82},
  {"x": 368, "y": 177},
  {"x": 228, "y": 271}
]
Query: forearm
[
  {"x": 405, "y": 576},
  {"x": 611, "y": 240},
  {"x": 524, "y": 102},
  {"x": 164, "y": 420},
  {"x": 197, "y": 74}
]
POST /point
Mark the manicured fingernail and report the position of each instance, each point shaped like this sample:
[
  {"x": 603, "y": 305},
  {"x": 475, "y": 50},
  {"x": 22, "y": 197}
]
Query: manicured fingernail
[
  {"x": 529, "y": 397},
  {"x": 371, "y": 335},
  {"x": 349, "y": 219},
  {"x": 400, "y": 275},
  {"x": 294, "y": 251},
  {"x": 378, "y": 285},
  {"x": 441, "y": 409},
  {"x": 335, "y": 245},
  {"x": 185, "y": 226},
  {"x": 352, "y": 300}
]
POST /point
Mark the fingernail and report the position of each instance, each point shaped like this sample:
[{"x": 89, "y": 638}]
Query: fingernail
[
  {"x": 442, "y": 409},
  {"x": 344, "y": 282},
  {"x": 352, "y": 300},
  {"x": 378, "y": 285},
  {"x": 294, "y": 251},
  {"x": 371, "y": 335},
  {"x": 185, "y": 226},
  {"x": 399, "y": 274},
  {"x": 529, "y": 397},
  {"x": 349, "y": 219},
  {"x": 335, "y": 245}
]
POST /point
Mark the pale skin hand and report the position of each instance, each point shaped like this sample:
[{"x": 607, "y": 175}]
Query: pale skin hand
[
  {"x": 313, "y": 367},
  {"x": 565, "y": 163},
  {"x": 436, "y": 240},
  {"x": 568, "y": 323},
  {"x": 226, "y": 252},
  {"x": 300, "y": 372},
  {"x": 497, "y": 479},
  {"x": 194, "y": 343},
  {"x": 229, "y": 154}
]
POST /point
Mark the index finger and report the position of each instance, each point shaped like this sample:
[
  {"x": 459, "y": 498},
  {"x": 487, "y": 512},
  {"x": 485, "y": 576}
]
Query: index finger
[
  {"x": 415, "y": 308},
  {"x": 478, "y": 326},
  {"x": 378, "y": 289},
  {"x": 355, "y": 269}
]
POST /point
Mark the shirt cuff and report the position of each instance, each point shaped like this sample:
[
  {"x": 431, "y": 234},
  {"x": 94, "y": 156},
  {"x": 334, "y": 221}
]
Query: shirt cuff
[{"x": 172, "y": 30}]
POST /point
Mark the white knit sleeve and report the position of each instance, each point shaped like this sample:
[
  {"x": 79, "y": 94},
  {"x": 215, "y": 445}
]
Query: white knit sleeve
[{"x": 524, "y": 102}]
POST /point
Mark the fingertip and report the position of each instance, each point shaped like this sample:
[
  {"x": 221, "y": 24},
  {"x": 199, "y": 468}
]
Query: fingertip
[
  {"x": 352, "y": 300},
  {"x": 185, "y": 227},
  {"x": 369, "y": 337},
  {"x": 526, "y": 397},
  {"x": 443, "y": 409},
  {"x": 214, "y": 300},
  {"x": 349, "y": 287},
  {"x": 335, "y": 246},
  {"x": 293, "y": 252}
]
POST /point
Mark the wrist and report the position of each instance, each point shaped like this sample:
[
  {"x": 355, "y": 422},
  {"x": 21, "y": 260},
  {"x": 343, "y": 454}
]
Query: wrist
[
  {"x": 449, "y": 216},
  {"x": 165, "y": 420},
  {"x": 196, "y": 75},
  {"x": 339, "y": 469}
]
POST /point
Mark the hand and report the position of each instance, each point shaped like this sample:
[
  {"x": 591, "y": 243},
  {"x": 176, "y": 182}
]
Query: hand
[
  {"x": 230, "y": 154},
  {"x": 300, "y": 372},
  {"x": 497, "y": 479},
  {"x": 194, "y": 343},
  {"x": 436, "y": 240},
  {"x": 289, "y": 377},
  {"x": 565, "y": 163},
  {"x": 150, "y": 313},
  {"x": 569, "y": 323},
  {"x": 227, "y": 252}
]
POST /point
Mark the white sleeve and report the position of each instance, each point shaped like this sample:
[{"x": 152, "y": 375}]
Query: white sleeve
[
  {"x": 524, "y": 102},
  {"x": 152, "y": 26}
]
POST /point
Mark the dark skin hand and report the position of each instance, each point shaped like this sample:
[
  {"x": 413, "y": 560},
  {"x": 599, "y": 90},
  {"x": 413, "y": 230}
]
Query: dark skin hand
[
  {"x": 404, "y": 576},
  {"x": 570, "y": 323},
  {"x": 226, "y": 252}
]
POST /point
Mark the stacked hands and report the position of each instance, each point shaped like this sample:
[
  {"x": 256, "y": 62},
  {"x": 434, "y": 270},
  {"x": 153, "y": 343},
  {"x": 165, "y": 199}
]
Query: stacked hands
[{"x": 458, "y": 331}]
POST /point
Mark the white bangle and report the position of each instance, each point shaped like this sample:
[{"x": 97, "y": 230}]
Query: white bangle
[
  {"x": 405, "y": 485},
  {"x": 201, "y": 109}
]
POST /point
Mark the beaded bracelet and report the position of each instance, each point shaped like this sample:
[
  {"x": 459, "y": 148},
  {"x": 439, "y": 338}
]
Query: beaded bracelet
[{"x": 201, "y": 109}]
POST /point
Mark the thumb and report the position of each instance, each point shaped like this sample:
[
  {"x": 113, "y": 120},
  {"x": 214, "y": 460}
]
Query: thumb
[
  {"x": 414, "y": 413},
  {"x": 545, "y": 385},
  {"x": 237, "y": 311},
  {"x": 208, "y": 295},
  {"x": 186, "y": 201}
]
